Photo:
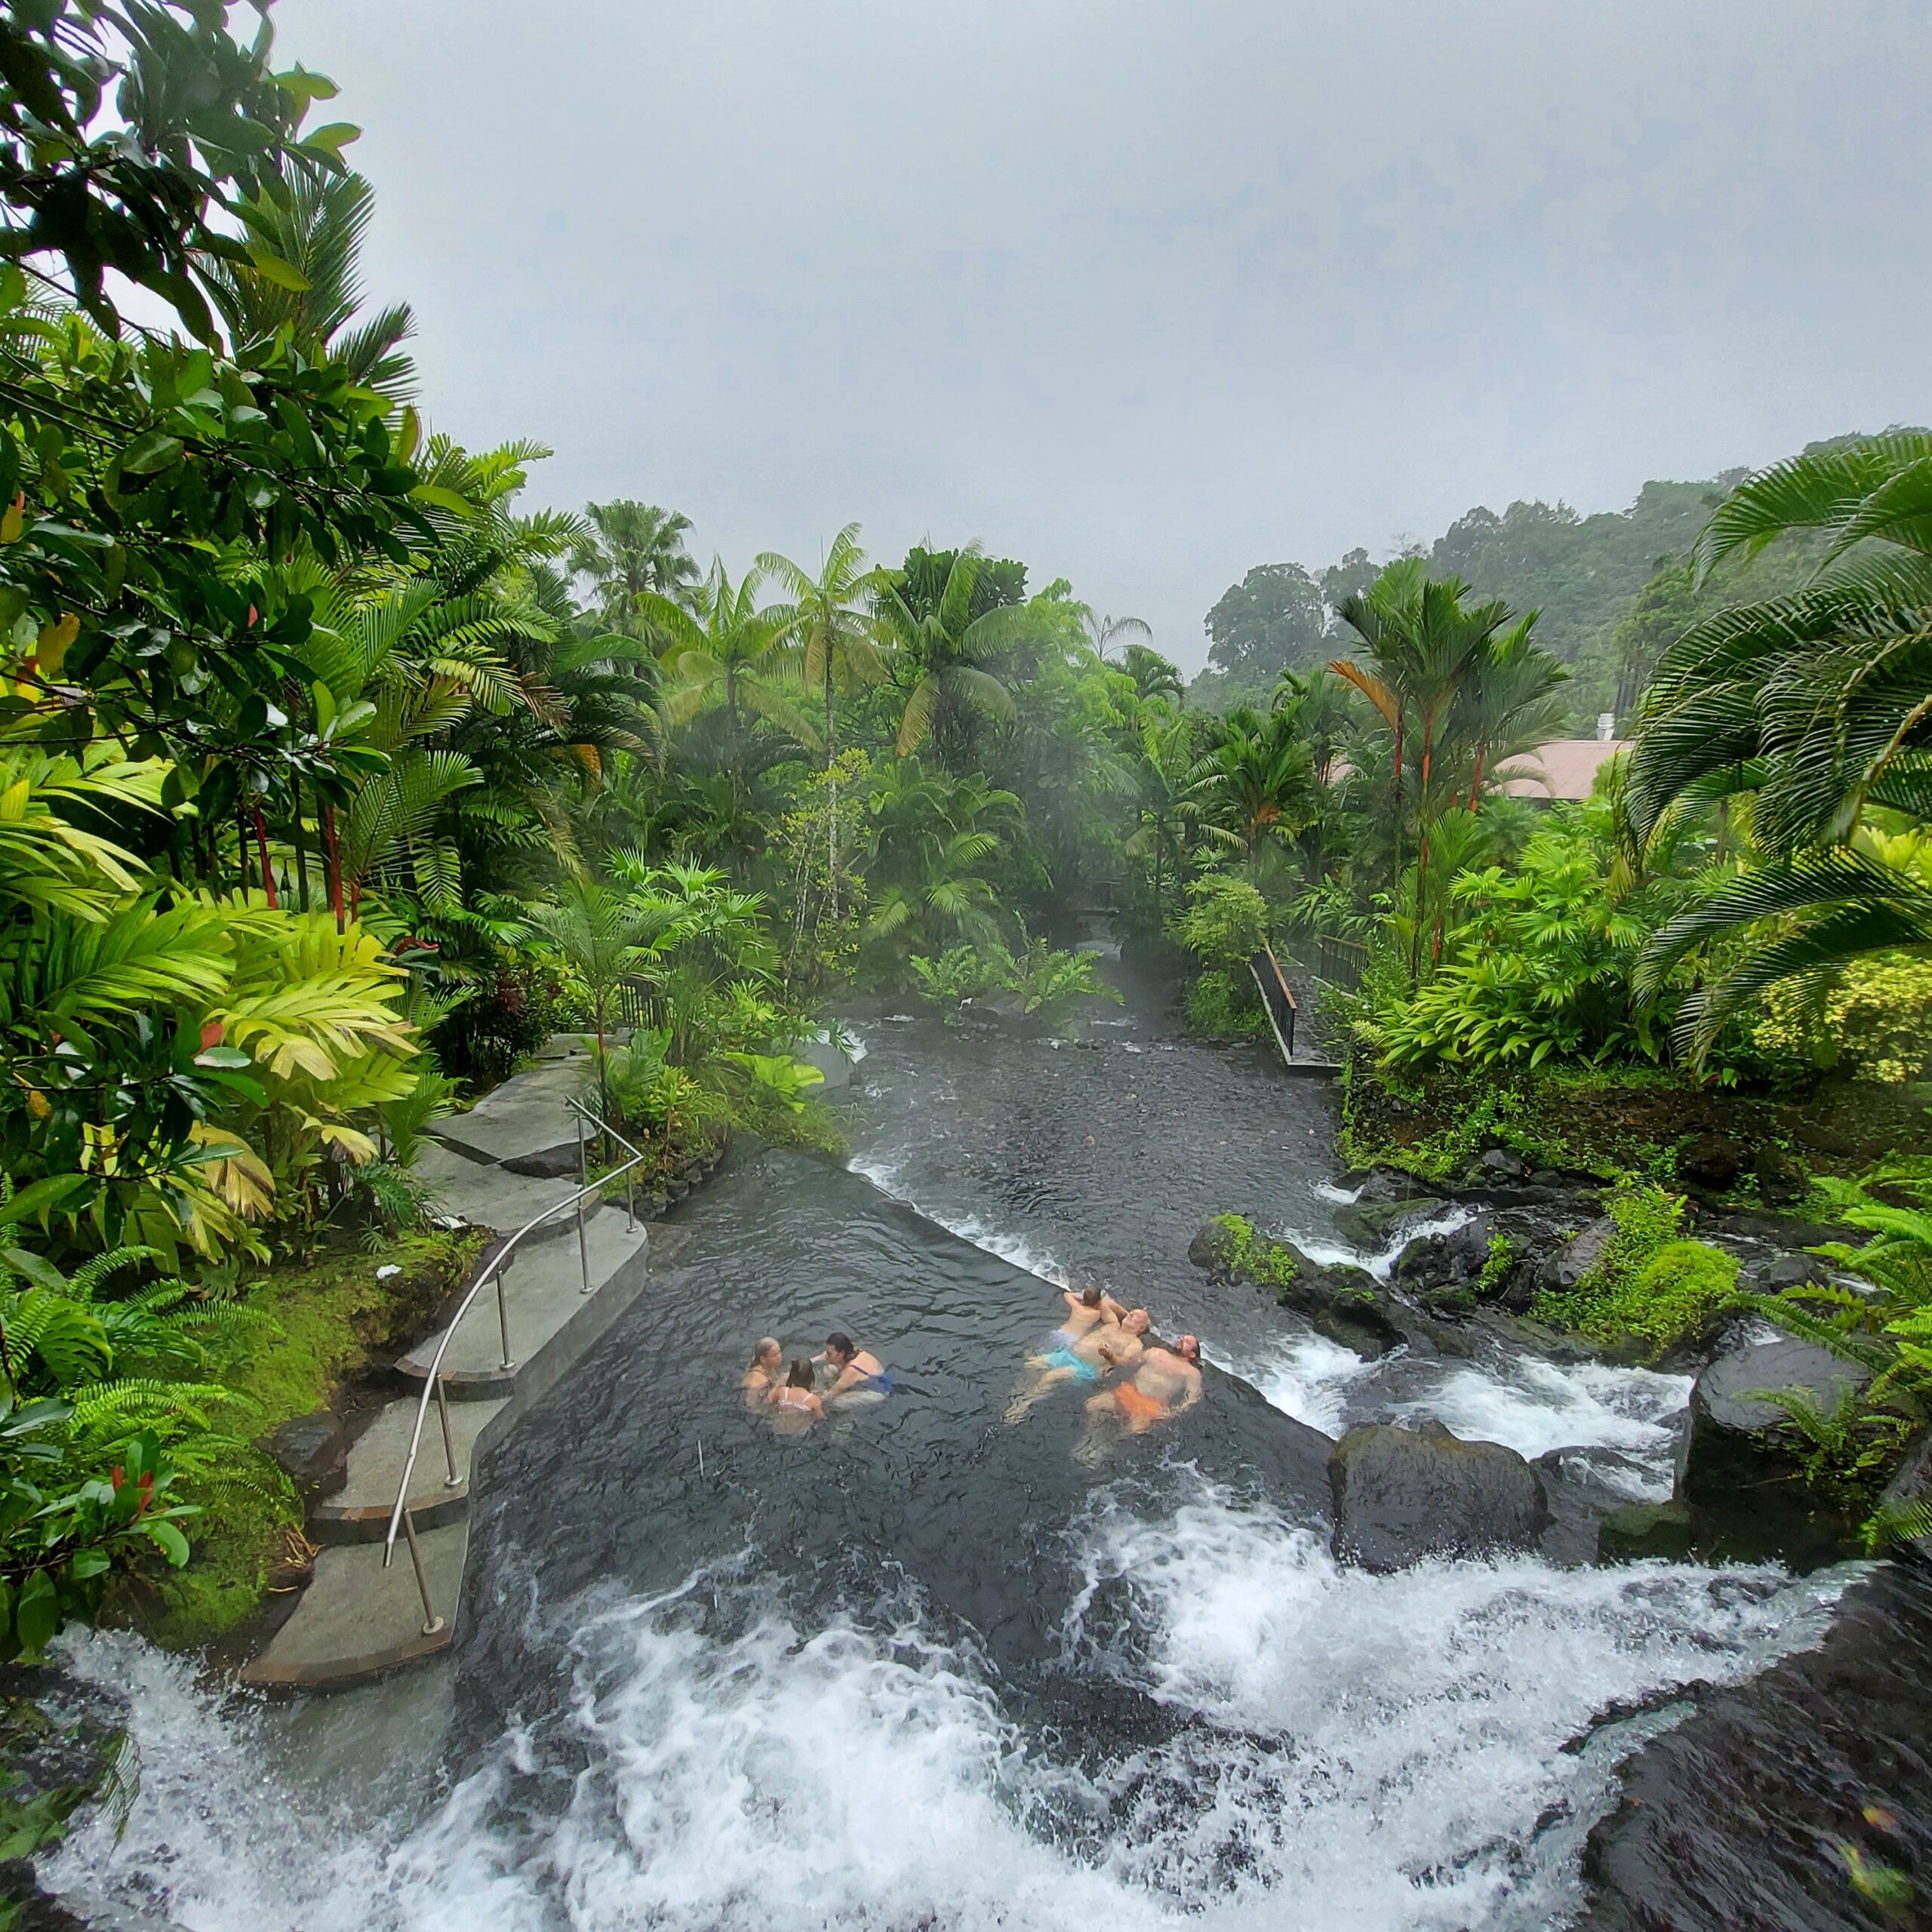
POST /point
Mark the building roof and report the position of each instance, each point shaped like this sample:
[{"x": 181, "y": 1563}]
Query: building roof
[{"x": 1563, "y": 768}]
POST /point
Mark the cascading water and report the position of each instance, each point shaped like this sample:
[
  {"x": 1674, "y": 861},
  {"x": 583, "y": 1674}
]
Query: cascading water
[{"x": 923, "y": 1668}]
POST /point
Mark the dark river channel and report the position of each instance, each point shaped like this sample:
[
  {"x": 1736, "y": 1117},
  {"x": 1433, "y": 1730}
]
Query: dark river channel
[{"x": 921, "y": 1669}]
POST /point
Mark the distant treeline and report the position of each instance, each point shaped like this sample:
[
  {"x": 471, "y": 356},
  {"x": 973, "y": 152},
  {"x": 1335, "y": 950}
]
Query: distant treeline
[{"x": 1613, "y": 588}]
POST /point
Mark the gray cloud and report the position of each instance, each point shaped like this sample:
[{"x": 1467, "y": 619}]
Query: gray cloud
[{"x": 1144, "y": 293}]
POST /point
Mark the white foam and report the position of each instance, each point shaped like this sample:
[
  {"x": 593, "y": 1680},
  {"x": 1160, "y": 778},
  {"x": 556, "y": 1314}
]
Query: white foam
[
  {"x": 1008, "y": 1247},
  {"x": 1393, "y": 1740},
  {"x": 1537, "y": 1406},
  {"x": 1376, "y": 1755},
  {"x": 1305, "y": 1376},
  {"x": 1381, "y": 1263},
  {"x": 1343, "y": 1197}
]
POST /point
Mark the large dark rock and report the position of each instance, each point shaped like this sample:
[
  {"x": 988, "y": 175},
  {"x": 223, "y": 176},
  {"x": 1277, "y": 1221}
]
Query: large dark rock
[
  {"x": 1739, "y": 1462},
  {"x": 1753, "y": 1814},
  {"x": 1782, "y": 1179},
  {"x": 1713, "y": 1162},
  {"x": 1791, "y": 1271},
  {"x": 1374, "y": 1224},
  {"x": 1912, "y": 1486},
  {"x": 311, "y": 1450},
  {"x": 1445, "y": 1267},
  {"x": 1402, "y": 1495},
  {"x": 1582, "y": 1254},
  {"x": 1638, "y": 1530},
  {"x": 1348, "y": 1304},
  {"x": 1500, "y": 1161}
]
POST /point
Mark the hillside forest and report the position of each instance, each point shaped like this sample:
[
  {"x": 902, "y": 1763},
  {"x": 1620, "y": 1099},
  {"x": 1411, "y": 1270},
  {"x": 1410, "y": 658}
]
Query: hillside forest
[{"x": 337, "y": 773}]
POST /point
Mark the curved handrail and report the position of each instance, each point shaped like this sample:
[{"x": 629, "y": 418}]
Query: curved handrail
[{"x": 432, "y": 1381}]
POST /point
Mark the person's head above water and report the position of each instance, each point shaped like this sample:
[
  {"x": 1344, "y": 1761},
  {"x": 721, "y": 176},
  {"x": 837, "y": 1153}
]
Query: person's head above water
[
  {"x": 1189, "y": 1348},
  {"x": 1090, "y": 1297},
  {"x": 1137, "y": 1321},
  {"x": 768, "y": 1354},
  {"x": 800, "y": 1377},
  {"x": 839, "y": 1350}
]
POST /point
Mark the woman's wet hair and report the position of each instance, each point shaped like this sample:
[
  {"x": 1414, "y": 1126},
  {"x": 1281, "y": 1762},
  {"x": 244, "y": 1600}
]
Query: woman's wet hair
[
  {"x": 841, "y": 1343},
  {"x": 766, "y": 1345},
  {"x": 800, "y": 1377}
]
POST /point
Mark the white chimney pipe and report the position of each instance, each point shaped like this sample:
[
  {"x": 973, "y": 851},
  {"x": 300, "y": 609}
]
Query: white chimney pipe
[{"x": 1606, "y": 725}]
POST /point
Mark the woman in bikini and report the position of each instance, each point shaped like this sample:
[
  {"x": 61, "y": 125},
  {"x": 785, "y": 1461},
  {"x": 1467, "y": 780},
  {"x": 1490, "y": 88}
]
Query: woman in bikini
[
  {"x": 855, "y": 1371},
  {"x": 797, "y": 1403}
]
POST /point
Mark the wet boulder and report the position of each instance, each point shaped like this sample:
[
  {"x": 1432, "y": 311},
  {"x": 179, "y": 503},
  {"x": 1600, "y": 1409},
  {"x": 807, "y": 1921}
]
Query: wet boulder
[
  {"x": 1582, "y": 1254},
  {"x": 1374, "y": 1224},
  {"x": 1712, "y": 1162},
  {"x": 310, "y": 1450},
  {"x": 1348, "y": 1304},
  {"x": 1444, "y": 1271},
  {"x": 1911, "y": 1489},
  {"x": 1782, "y": 1179},
  {"x": 1791, "y": 1271},
  {"x": 1402, "y": 1495},
  {"x": 1739, "y": 1462},
  {"x": 1635, "y": 1530},
  {"x": 1500, "y": 1162}
]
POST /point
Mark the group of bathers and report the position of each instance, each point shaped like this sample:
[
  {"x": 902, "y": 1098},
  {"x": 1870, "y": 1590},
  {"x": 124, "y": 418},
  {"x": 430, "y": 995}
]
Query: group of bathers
[{"x": 797, "y": 1396}]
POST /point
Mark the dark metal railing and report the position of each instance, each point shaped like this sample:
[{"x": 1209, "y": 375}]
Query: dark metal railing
[{"x": 1276, "y": 996}]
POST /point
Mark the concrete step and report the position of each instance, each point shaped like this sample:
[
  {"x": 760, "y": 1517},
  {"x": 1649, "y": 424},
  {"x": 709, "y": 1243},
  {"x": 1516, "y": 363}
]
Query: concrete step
[
  {"x": 357, "y": 1619},
  {"x": 524, "y": 1124},
  {"x": 487, "y": 1196},
  {"x": 359, "y": 1510},
  {"x": 544, "y": 1290}
]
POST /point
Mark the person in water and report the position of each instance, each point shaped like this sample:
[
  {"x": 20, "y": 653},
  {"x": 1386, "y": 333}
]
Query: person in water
[
  {"x": 767, "y": 1364},
  {"x": 796, "y": 1398},
  {"x": 1165, "y": 1382},
  {"x": 1088, "y": 1309},
  {"x": 1107, "y": 1346},
  {"x": 855, "y": 1371}
]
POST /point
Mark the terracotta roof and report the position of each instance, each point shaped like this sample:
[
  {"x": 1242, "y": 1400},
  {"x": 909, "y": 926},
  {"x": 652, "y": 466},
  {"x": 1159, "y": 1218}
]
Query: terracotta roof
[{"x": 1563, "y": 768}]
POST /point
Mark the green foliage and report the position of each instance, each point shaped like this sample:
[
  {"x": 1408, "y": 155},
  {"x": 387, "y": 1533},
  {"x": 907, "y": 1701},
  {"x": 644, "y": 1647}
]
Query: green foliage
[
  {"x": 1251, "y": 1256},
  {"x": 1226, "y": 923},
  {"x": 1848, "y": 1450},
  {"x": 1652, "y": 1288},
  {"x": 1225, "y": 1006},
  {"x": 1496, "y": 1267}
]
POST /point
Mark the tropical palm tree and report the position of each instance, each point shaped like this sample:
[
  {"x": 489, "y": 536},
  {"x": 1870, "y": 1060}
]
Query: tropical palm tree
[
  {"x": 1818, "y": 706},
  {"x": 311, "y": 236},
  {"x": 1103, "y": 632},
  {"x": 1507, "y": 701},
  {"x": 1169, "y": 800},
  {"x": 832, "y": 624},
  {"x": 722, "y": 654},
  {"x": 1257, "y": 783},
  {"x": 1154, "y": 676},
  {"x": 628, "y": 549},
  {"x": 950, "y": 656},
  {"x": 932, "y": 834},
  {"x": 1424, "y": 641}
]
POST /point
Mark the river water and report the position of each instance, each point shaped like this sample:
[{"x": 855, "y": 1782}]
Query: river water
[{"x": 924, "y": 1668}]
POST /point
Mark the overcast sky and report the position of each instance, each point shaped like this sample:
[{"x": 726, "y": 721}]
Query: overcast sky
[{"x": 1142, "y": 291}]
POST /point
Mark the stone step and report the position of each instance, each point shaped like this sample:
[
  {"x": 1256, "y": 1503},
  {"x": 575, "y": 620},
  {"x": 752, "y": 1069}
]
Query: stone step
[
  {"x": 359, "y": 1510},
  {"x": 544, "y": 1290},
  {"x": 525, "y": 1124},
  {"x": 487, "y": 1196},
  {"x": 357, "y": 1619}
]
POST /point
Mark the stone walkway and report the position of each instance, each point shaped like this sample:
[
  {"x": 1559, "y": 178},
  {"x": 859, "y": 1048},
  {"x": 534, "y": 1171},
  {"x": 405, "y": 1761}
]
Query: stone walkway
[{"x": 513, "y": 1155}]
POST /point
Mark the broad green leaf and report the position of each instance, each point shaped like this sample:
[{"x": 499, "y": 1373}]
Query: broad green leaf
[
  {"x": 37, "y": 1614},
  {"x": 284, "y": 275},
  {"x": 172, "y": 1543},
  {"x": 155, "y": 450}
]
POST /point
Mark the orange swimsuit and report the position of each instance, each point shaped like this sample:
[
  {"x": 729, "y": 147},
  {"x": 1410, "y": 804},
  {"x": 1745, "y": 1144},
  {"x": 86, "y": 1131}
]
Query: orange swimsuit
[{"x": 1137, "y": 1406}]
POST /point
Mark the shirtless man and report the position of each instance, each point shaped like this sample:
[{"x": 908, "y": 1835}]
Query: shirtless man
[
  {"x": 1165, "y": 1382},
  {"x": 1102, "y": 1349},
  {"x": 1089, "y": 1310}
]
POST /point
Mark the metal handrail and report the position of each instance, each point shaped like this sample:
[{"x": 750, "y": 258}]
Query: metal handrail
[{"x": 401, "y": 1518}]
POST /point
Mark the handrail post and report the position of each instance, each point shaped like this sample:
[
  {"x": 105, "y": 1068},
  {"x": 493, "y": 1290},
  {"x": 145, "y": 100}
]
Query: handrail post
[
  {"x": 452, "y": 1481},
  {"x": 503, "y": 1318},
  {"x": 583, "y": 1184},
  {"x": 431, "y": 1622}
]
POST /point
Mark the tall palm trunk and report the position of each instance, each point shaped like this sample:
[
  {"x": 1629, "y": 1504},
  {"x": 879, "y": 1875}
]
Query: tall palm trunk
[
  {"x": 1422, "y": 843},
  {"x": 831, "y": 787}
]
